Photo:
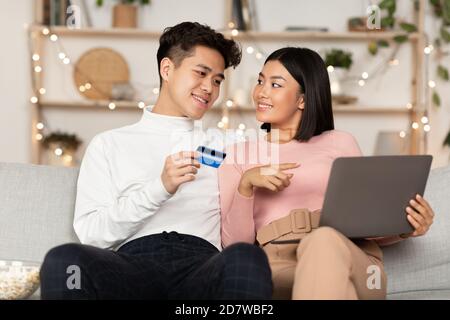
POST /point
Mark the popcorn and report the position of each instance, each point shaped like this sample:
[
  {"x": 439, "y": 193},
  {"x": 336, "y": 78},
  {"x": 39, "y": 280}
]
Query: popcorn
[{"x": 17, "y": 281}]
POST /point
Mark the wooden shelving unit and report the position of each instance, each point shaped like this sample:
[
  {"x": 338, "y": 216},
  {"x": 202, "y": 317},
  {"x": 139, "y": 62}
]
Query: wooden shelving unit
[{"x": 417, "y": 41}]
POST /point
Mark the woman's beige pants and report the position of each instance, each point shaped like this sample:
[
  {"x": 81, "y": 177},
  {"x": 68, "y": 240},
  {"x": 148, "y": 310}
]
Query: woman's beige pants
[{"x": 327, "y": 265}]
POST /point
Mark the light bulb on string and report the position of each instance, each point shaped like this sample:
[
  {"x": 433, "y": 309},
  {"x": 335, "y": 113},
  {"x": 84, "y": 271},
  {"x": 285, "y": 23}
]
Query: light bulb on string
[
  {"x": 424, "y": 120},
  {"x": 415, "y": 125},
  {"x": 35, "y": 57},
  {"x": 402, "y": 134}
]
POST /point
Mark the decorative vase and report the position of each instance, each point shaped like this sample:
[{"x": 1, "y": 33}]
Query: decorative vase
[
  {"x": 125, "y": 16},
  {"x": 66, "y": 159},
  {"x": 336, "y": 77}
]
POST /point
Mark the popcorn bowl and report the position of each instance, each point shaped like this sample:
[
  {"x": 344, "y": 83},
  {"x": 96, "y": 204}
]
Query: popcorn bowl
[{"x": 18, "y": 279}]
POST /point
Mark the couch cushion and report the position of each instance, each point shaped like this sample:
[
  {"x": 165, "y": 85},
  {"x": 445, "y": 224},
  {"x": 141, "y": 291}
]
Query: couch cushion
[
  {"x": 36, "y": 209},
  {"x": 419, "y": 265}
]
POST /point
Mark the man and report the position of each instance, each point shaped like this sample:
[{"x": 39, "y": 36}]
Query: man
[{"x": 146, "y": 212}]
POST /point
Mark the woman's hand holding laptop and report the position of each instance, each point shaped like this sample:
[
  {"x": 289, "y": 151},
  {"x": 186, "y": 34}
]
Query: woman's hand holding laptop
[{"x": 420, "y": 215}]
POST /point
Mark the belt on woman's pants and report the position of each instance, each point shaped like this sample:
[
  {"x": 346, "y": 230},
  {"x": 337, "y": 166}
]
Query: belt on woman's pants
[{"x": 298, "y": 223}]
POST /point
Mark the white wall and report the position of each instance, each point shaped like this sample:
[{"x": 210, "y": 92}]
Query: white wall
[
  {"x": 14, "y": 81},
  {"x": 388, "y": 90}
]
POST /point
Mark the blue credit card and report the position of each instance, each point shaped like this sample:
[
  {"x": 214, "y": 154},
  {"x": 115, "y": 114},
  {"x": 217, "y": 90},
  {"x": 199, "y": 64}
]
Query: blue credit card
[{"x": 210, "y": 157}]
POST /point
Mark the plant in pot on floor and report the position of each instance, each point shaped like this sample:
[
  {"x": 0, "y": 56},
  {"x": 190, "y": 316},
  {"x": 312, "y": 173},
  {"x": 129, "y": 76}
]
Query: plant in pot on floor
[
  {"x": 338, "y": 63},
  {"x": 125, "y": 12},
  {"x": 61, "y": 148}
]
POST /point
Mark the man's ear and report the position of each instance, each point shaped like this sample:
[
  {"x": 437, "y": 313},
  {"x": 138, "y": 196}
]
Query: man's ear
[
  {"x": 301, "y": 102},
  {"x": 165, "y": 67}
]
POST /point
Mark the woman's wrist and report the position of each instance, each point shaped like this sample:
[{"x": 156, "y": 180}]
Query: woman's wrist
[{"x": 245, "y": 188}]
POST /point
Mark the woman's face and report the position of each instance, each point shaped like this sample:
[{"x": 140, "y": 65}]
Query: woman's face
[{"x": 277, "y": 96}]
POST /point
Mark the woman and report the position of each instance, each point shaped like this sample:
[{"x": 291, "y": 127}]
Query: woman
[{"x": 293, "y": 100}]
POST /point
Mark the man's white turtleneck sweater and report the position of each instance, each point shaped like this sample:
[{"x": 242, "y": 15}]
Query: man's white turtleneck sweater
[{"x": 120, "y": 195}]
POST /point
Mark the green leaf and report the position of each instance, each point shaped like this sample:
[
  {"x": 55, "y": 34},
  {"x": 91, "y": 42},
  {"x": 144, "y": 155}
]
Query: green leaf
[
  {"x": 401, "y": 38},
  {"x": 445, "y": 34},
  {"x": 387, "y": 22},
  {"x": 446, "y": 11},
  {"x": 384, "y": 4},
  {"x": 99, "y": 3},
  {"x": 442, "y": 72},
  {"x": 373, "y": 48},
  {"x": 436, "y": 99},
  {"x": 408, "y": 27},
  {"x": 447, "y": 140},
  {"x": 383, "y": 43}
]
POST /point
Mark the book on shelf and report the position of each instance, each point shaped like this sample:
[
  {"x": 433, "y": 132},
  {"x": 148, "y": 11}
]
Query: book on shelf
[
  {"x": 70, "y": 13},
  {"x": 306, "y": 29}
]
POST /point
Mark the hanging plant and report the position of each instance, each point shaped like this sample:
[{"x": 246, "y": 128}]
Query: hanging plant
[{"x": 388, "y": 21}]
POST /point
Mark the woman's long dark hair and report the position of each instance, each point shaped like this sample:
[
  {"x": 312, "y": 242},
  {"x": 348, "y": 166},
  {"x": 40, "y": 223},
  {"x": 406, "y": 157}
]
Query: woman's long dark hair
[{"x": 308, "y": 69}]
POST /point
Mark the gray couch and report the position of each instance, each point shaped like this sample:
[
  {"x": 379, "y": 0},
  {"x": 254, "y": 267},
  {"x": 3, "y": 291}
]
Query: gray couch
[{"x": 36, "y": 212}]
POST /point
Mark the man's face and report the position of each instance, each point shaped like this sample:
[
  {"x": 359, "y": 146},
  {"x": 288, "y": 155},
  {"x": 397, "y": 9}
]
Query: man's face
[{"x": 194, "y": 85}]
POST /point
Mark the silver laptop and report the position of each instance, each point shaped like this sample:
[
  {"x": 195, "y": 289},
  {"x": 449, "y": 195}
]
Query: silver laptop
[{"x": 367, "y": 196}]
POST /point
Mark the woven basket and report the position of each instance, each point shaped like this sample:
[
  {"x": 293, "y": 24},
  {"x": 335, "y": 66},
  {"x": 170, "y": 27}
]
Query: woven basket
[{"x": 102, "y": 68}]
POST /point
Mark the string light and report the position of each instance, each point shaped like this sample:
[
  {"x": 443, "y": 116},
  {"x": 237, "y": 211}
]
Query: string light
[
  {"x": 35, "y": 57},
  {"x": 234, "y": 32},
  {"x": 394, "y": 62},
  {"x": 45, "y": 31},
  {"x": 364, "y": 75},
  {"x": 39, "y": 136},
  {"x": 220, "y": 124},
  {"x": 33, "y": 99},
  {"x": 330, "y": 69},
  {"x": 424, "y": 120},
  {"x": 40, "y": 126},
  {"x": 87, "y": 85},
  {"x": 428, "y": 49},
  {"x": 431, "y": 84},
  {"x": 241, "y": 126},
  {"x": 361, "y": 83},
  {"x": 231, "y": 25},
  {"x": 82, "y": 88},
  {"x": 229, "y": 103},
  {"x": 225, "y": 119},
  {"x": 415, "y": 125},
  {"x": 402, "y": 134},
  {"x": 250, "y": 50},
  {"x": 259, "y": 55},
  {"x": 141, "y": 105},
  {"x": 155, "y": 90},
  {"x": 58, "y": 151},
  {"x": 427, "y": 128},
  {"x": 37, "y": 69},
  {"x": 409, "y": 106},
  {"x": 66, "y": 60},
  {"x": 42, "y": 91},
  {"x": 112, "y": 106},
  {"x": 53, "y": 37},
  {"x": 61, "y": 55}
]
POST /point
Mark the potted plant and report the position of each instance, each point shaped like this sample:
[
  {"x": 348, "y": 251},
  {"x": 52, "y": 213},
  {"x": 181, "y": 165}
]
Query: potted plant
[
  {"x": 338, "y": 63},
  {"x": 125, "y": 12},
  {"x": 61, "y": 148}
]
